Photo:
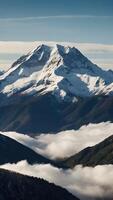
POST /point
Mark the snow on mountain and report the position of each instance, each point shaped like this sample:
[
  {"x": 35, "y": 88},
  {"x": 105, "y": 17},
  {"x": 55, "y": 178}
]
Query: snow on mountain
[{"x": 62, "y": 70}]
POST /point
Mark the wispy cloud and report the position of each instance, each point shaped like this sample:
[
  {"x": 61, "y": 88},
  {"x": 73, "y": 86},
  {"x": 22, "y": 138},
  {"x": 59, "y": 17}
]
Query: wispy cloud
[{"x": 54, "y": 17}]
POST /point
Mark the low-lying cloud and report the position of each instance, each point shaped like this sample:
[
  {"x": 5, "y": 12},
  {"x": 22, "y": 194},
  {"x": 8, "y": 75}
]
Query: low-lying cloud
[
  {"x": 66, "y": 143},
  {"x": 85, "y": 182}
]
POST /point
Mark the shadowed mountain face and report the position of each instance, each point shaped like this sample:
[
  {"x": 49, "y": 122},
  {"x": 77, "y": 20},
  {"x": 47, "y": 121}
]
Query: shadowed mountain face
[
  {"x": 44, "y": 114},
  {"x": 15, "y": 186},
  {"x": 100, "y": 154},
  {"x": 12, "y": 152}
]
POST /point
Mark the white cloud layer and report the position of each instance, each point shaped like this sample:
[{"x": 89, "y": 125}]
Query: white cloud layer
[
  {"x": 87, "y": 183},
  {"x": 24, "y": 47},
  {"x": 66, "y": 143},
  {"x": 14, "y": 47}
]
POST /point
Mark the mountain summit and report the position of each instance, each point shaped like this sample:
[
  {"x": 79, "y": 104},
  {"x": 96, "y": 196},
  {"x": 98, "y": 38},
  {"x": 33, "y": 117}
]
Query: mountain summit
[{"x": 62, "y": 70}]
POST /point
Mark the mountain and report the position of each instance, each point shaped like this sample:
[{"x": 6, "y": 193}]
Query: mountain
[
  {"x": 15, "y": 186},
  {"x": 12, "y": 152},
  {"x": 62, "y": 70},
  {"x": 54, "y": 88},
  {"x": 100, "y": 154}
]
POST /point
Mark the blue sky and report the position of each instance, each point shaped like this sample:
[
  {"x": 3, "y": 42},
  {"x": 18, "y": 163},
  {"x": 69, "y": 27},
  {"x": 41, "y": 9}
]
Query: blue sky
[
  {"x": 62, "y": 20},
  {"x": 81, "y": 21},
  {"x": 20, "y": 8}
]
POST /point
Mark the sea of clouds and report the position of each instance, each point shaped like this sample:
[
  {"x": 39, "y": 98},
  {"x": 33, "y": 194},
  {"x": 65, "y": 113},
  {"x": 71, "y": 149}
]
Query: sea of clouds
[
  {"x": 65, "y": 143},
  {"x": 87, "y": 183}
]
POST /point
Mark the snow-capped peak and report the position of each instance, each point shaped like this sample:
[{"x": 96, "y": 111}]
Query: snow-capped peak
[{"x": 62, "y": 70}]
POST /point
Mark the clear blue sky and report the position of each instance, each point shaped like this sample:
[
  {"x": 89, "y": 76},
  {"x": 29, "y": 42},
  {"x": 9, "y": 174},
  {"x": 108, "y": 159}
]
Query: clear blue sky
[{"x": 77, "y": 20}]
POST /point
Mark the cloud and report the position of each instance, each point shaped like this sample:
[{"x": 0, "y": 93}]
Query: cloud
[
  {"x": 105, "y": 62},
  {"x": 66, "y": 143},
  {"x": 23, "y": 47},
  {"x": 95, "y": 48},
  {"x": 5, "y": 63},
  {"x": 16, "y": 47},
  {"x": 85, "y": 182},
  {"x": 20, "y": 19}
]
